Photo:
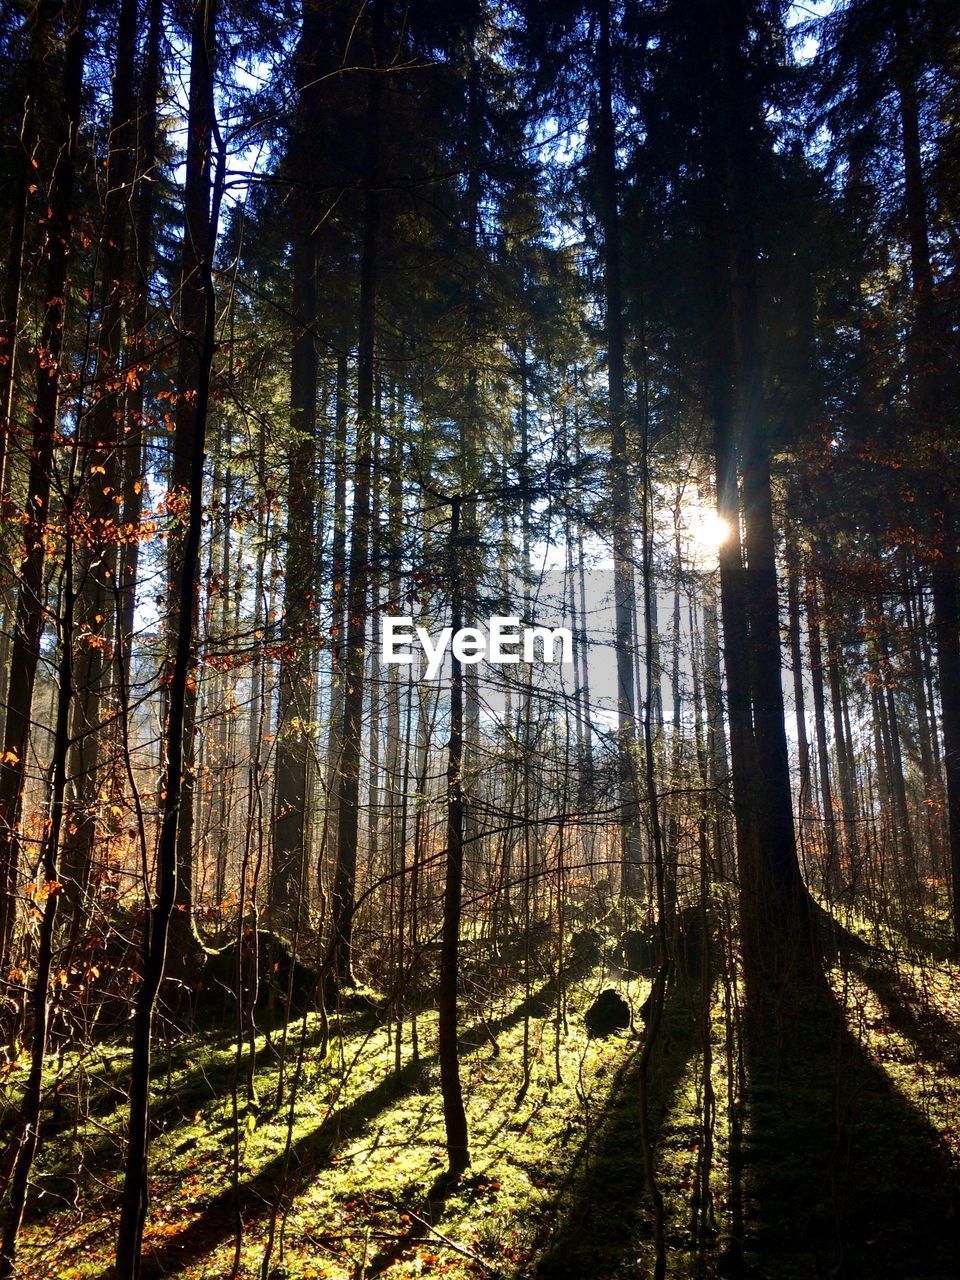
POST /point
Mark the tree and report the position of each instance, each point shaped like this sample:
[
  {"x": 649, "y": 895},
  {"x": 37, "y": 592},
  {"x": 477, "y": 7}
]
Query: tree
[
  {"x": 203, "y": 208},
  {"x": 358, "y": 569},
  {"x": 30, "y": 596},
  {"x": 99, "y": 517},
  {"x": 295, "y": 700}
]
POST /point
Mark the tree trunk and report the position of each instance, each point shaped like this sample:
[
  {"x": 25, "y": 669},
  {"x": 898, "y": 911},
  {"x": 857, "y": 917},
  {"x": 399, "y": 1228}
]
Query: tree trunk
[
  {"x": 193, "y": 325},
  {"x": 348, "y": 774},
  {"x": 198, "y": 262},
  {"x": 928, "y": 355},
  {"x": 144, "y": 235},
  {"x": 28, "y": 627},
  {"x": 796, "y": 666},
  {"x": 926, "y": 729},
  {"x": 375, "y": 671},
  {"x": 102, "y": 445},
  {"x": 619, "y": 473},
  {"x": 30, "y": 1108},
  {"x": 295, "y": 694},
  {"x": 338, "y": 613},
  {"x": 773, "y": 901},
  {"x": 454, "y": 1115},
  {"x": 898, "y": 782},
  {"x": 832, "y": 870},
  {"x": 835, "y": 679},
  {"x": 41, "y": 21}
]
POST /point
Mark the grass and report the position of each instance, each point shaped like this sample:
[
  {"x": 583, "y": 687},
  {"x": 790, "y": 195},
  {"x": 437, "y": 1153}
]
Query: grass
[
  {"x": 849, "y": 1164},
  {"x": 366, "y": 1148}
]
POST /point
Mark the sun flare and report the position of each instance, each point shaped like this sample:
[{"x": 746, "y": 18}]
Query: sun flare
[{"x": 707, "y": 531}]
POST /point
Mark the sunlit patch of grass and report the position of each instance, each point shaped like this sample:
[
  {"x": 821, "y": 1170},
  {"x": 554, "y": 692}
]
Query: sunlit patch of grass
[
  {"x": 370, "y": 1190},
  {"x": 926, "y": 999},
  {"x": 893, "y": 930},
  {"x": 359, "y": 1194},
  {"x": 521, "y": 1146}
]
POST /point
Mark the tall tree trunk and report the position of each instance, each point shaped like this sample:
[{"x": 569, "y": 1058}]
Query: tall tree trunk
[
  {"x": 375, "y": 671},
  {"x": 454, "y": 1115},
  {"x": 28, "y": 627},
  {"x": 194, "y": 323},
  {"x": 713, "y": 687},
  {"x": 41, "y": 21},
  {"x": 472, "y": 445},
  {"x": 835, "y": 679},
  {"x": 102, "y": 444},
  {"x": 198, "y": 262},
  {"x": 348, "y": 774},
  {"x": 397, "y": 752},
  {"x": 142, "y": 258},
  {"x": 928, "y": 356},
  {"x": 619, "y": 474},
  {"x": 898, "y": 782},
  {"x": 338, "y": 612},
  {"x": 29, "y": 630},
  {"x": 926, "y": 729},
  {"x": 674, "y": 815},
  {"x": 774, "y": 906},
  {"x": 295, "y": 694},
  {"x": 832, "y": 870},
  {"x": 220, "y": 804},
  {"x": 30, "y": 1107},
  {"x": 796, "y": 667}
]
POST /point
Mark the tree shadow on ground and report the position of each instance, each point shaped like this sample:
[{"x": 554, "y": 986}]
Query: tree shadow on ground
[
  {"x": 936, "y": 1036},
  {"x": 202, "y": 1082},
  {"x": 538, "y": 1004},
  {"x": 287, "y": 1175},
  {"x": 937, "y": 945},
  {"x": 420, "y": 1227},
  {"x": 604, "y": 1213},
  {"x": 308, "y": 1154},
  {"x": 842, "y": 1175}
]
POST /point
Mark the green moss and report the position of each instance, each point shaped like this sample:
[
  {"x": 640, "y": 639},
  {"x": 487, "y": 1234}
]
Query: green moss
[{"x": 834, "y": 1122}]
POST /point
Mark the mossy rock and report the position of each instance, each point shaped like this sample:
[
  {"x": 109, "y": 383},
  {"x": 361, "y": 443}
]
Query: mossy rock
[
  {"x": 608, "y": 1013},
  {"x": 279, "y": 974}
]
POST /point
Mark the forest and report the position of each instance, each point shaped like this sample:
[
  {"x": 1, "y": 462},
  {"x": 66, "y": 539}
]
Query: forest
[{"x": 480, "y": 639}]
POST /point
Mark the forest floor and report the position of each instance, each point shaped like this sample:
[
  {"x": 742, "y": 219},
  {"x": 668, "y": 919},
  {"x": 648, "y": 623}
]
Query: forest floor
[{"x": 848, "y": 1163}]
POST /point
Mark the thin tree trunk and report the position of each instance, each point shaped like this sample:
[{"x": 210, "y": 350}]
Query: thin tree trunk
[
  {"x": 832, "y": 874},
  {"x": 29, "y": 1118},
  {"x": 796, "y": 665},
  {"x": 926, "y": 729},
  {"x": 42, "y": 20},
  {"x": 144, "y": 235},
  {"x": 835, "y": 680},
  {"x": 338, "y": 613},
  {"x": 348, "y": 775},
  {"x": 663, "y": 893},
  {"x": 898, "y": 781},
  {"x": 375, "y": 672},
  {"x": 929, "y": 357},
  {"x": 454, "y": 1115},
  {"x": 295, "y": 694},
  {"x": 198, "y": 254},
  {"x": 621, "y": 504},
  {"x": 193, "y": 324}
]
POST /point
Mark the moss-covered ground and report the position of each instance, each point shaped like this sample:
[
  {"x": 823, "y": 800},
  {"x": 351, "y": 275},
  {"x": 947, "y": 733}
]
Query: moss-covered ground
[{"x": 846, "y": 1162}]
